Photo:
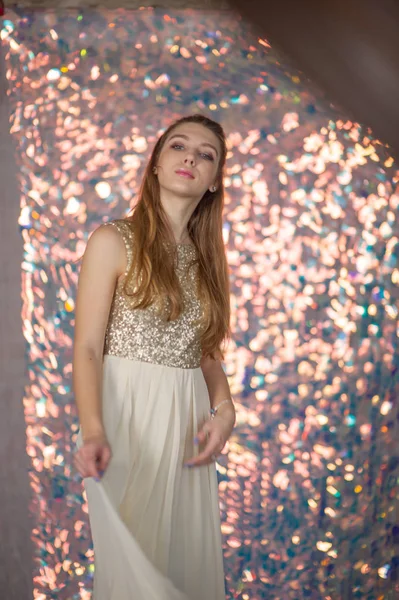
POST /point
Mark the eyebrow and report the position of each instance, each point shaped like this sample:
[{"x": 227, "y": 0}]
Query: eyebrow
[{"x": 185, "y": 137}]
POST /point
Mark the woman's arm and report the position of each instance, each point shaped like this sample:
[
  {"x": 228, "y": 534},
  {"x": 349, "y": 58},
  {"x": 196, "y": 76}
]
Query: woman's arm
[
  {"x": 103, "y": 262},
  {"x": 216, "y": 431},
  {"x": 218, "y": 389}
]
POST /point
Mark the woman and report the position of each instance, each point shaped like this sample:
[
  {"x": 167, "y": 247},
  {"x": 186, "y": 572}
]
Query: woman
[{"x": 154, "y": 404}]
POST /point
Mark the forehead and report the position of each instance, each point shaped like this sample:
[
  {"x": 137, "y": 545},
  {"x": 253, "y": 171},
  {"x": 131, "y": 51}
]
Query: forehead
[{"x": 197, "y": 133}]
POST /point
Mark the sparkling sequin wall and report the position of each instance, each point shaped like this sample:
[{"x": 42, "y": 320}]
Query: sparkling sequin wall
[{"x": 309, "y": 482}]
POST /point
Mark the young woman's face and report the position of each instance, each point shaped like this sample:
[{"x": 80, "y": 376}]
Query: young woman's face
[{"x": 188, "y": 163}]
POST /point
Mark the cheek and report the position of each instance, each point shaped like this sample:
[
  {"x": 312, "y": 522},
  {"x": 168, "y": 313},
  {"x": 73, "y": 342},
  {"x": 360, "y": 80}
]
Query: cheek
[
  {"x": 209, "y": 171},
  {"x": 161, "y": 160},
  {"x": 164, "y": 158}
]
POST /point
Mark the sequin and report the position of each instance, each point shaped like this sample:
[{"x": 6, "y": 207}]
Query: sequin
[{"x": 142, "y": 334}]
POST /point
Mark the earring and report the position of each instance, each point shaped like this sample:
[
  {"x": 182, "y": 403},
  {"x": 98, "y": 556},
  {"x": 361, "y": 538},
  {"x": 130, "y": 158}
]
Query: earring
[
  {"x": 154, "y": 170},
  {"x": 213, "y": 188}
]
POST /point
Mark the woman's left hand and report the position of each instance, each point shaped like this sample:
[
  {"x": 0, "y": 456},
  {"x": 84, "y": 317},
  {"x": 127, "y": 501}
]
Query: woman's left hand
[{"x": 215, "y": 432}]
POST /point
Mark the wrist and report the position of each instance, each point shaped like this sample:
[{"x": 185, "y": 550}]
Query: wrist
[
  {"x": 224, "y": 410},
  {"x": 89, "y": 433},
  {"x": 217, "y": 406}
]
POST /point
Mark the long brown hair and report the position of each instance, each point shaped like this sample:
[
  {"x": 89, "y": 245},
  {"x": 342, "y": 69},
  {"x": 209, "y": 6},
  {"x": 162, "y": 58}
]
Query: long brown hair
[{"x": 154, "y": 275}]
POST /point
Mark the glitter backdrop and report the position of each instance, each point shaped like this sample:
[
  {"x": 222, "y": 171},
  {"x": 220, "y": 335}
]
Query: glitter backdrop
[{"x": 309, "y": 485}]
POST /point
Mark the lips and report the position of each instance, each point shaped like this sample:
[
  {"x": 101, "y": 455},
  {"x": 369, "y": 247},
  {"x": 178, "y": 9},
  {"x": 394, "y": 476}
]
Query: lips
[{"x": 185, "y": 173}]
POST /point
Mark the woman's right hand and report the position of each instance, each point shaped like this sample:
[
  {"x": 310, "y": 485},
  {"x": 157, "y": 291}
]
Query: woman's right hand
[{"x": 93, "y": 457}]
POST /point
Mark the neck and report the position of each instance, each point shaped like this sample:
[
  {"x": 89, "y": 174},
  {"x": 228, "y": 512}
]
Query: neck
[{"x": 178, "y": 211}]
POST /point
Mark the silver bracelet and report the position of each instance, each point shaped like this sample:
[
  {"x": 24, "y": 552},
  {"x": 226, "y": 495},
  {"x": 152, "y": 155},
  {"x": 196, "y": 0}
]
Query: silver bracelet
[{"x": 214, "y": 409}]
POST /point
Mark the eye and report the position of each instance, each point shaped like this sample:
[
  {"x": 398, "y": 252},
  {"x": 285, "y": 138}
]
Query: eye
[
  {"x": 177, "y": 146},
  {"x": 207, "y": 156}
]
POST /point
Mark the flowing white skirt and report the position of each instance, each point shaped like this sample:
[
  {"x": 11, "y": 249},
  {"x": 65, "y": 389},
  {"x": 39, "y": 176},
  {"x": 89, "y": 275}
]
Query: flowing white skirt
[{"x": 155, "y": 523}]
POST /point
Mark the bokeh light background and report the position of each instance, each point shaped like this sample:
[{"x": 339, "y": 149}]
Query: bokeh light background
[{"x": 309, "y": 485}]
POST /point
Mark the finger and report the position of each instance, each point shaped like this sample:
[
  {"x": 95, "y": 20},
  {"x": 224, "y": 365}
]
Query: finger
[
  {"x": 80, "y": 467},
  {"x": 87, "y": 462},
  {"x": 204, "y": 457},
  {"x": 204, "y": 431},
  {"x": 92, "y": 469},
  {"x": 210, "y": 453},
  {"x": 104, "y": 459},
  {"x": 97, "y": 458},
  {"x": 199, "y": 462}
]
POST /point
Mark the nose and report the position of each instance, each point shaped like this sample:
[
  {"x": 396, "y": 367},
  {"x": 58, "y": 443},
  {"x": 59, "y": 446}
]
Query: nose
[{"x": 189, "y": 159}]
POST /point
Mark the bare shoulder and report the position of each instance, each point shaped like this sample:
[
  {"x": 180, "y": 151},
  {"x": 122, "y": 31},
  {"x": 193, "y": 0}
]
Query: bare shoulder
[
  {"x": 106, "y": 234},
  {"x": 106, "y": 249}
]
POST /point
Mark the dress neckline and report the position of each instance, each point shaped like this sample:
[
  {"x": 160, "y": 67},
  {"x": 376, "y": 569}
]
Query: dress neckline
[{"x": 174, "y": 245}]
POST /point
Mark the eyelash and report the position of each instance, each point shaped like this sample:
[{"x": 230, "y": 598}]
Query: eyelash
[{"x": 207, "y": 156}]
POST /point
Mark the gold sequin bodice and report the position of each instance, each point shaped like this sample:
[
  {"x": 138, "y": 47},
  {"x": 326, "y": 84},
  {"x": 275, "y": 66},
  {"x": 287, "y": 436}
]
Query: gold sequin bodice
[{"x": 141, "y": 334}]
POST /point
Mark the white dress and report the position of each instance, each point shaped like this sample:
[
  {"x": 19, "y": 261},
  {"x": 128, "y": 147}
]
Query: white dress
[{"x": 155, "y": 523}]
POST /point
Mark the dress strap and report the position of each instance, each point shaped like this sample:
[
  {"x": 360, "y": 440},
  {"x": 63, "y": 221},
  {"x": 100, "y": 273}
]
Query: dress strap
[{"x": 123, "y": 226}]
